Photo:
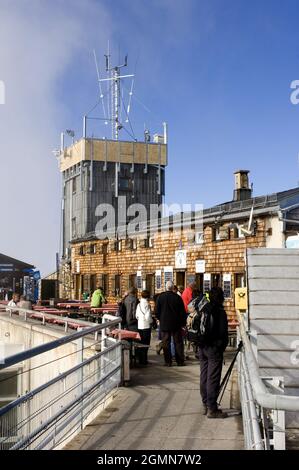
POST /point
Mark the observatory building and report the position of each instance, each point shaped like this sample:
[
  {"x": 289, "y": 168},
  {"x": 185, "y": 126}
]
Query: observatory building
[
  {"x": 112, "y": 172},
  {"x": 98, "y": 172}
]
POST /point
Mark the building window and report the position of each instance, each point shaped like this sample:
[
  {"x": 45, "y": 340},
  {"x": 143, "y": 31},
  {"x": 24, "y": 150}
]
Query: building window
[
  {"x": 93, "y": 282},
  {"x": 92, "y": 249},
  {"x": 131, "y": 244},
  {"x": 237, "y": 233},
  {"x": 147, "y": 242},
  {"x": 105, "y": 283},
  {"x": 215, "y": 234},
  {"x": 132, "y": 281},
  {"x": 216, "y": 280},
  {"x": 125, "y": 184},
  {"x": 74, "y": 185},
  {"x": 220, "y": 233},
  {"x": 158, "y": 279},
  {"x": 150, "y": 284},
  {"x": 105, "y": 253},
  {"x": 86, "y": 283},
  {"x": 240, "y": 280},
  {"x": 199, "y": 282},
  {"x": 81, "y": 250},
  {"x": 117, "y": 285},
  {"x": 199, "y": 238}
]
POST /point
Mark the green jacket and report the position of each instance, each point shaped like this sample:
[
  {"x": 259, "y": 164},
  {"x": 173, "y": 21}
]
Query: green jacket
[{"x": 97, "y": 299}]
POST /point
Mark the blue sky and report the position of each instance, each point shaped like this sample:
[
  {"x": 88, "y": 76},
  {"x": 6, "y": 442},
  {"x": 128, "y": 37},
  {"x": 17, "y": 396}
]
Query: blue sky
[{"x": 218, "y": 71}]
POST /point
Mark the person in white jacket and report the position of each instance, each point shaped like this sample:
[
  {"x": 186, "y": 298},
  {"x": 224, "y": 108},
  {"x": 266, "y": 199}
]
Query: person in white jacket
[{"x": 144, "y": 318}]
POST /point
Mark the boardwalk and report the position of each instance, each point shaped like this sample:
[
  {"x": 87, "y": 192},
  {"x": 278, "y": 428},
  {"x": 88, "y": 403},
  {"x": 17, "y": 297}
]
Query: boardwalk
[{"x": 160, "y": 410}]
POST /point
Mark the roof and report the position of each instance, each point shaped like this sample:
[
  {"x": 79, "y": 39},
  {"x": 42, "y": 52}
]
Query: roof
[
  {"x": 262, "y": 205},
  {"x": 4, "y": 259}
]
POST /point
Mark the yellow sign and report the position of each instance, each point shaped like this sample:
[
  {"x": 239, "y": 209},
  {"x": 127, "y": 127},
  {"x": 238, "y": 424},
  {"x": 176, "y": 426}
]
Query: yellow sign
[{"x": 241, "y": 298}]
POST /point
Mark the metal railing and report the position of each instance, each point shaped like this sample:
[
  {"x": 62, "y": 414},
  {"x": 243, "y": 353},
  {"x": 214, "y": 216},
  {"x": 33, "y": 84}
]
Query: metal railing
[
  {"x": 44, "y": 317},
  {"x": 51, "y": 414},
  {"x": 258, "y": 401}
]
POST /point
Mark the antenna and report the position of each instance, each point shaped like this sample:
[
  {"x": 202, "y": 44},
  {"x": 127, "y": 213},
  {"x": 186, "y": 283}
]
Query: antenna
[{"x": 114, "y": 76}]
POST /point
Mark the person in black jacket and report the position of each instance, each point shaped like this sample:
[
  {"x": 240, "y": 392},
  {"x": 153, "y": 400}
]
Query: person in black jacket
[
  {"x": 210, "y": 354},
  {"x": 130, "y": 305},
  {"x": 170, "y": 312}
]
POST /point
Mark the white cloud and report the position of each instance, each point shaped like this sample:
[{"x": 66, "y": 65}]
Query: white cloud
[{"x": 39, "y": 43}]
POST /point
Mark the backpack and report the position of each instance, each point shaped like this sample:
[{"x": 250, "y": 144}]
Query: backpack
[{"x": 199, "y": 321}]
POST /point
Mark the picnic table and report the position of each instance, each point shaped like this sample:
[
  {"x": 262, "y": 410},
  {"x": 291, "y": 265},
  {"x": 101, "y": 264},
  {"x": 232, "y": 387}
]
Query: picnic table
[
  {"x": 125, "y": 334},
  {"x": 74, "y": 305}
]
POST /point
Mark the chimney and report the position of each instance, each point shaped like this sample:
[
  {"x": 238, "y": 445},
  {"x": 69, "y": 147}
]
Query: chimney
[{"x": 242, "y": 189}]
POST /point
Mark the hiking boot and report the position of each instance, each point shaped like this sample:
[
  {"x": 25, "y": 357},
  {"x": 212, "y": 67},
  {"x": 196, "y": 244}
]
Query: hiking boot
[
  {"x": 204, "y": 409},
  {"x": 216, "y": 414}
]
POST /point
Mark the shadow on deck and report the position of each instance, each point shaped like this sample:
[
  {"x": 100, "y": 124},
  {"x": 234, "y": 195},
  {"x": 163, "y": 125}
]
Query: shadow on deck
[{"x": 161, "y": 410}]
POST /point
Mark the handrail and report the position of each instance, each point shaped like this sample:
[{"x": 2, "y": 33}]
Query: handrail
[
  {"x": 18, "y": 401},
  {"x": 43, "y": 315},
  {"x": 64, "y": 409},
  {"x": 21, "y": 356},
  {"x": 262, "y": 395}
]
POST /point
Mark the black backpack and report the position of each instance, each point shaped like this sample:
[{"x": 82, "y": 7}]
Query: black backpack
[{"x": 200, "y": 324}]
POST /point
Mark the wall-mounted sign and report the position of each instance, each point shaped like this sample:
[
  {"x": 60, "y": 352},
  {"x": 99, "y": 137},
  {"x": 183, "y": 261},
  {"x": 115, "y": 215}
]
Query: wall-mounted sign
[
  {"x": 158, "y": 278},
  {"x": 168, "y": 274},
  {"x": 181, "y": 259},
  {"x": 36, "y": 275},
  {"x": 200, "y": 266},
  {"x": 206, "y": 282},
  {"x": 227, "y": 285}
]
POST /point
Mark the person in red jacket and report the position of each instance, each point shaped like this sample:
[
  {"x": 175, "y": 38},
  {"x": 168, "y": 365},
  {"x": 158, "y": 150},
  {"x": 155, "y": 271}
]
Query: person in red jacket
[{"x": 187, "y": 295}]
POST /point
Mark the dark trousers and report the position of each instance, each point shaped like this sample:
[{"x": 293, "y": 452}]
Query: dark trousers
[
  {"x": 145, "y": 336},
  {"x": 210, "y": 360},
  {"x": 178, "y": 344}
]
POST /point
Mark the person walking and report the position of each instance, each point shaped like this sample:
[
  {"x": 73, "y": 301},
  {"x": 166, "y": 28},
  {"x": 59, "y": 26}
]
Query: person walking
[
  {"x": 170, "y": 312},
  {"x": 210, "y": 352},
  {"x": 187, "y": 295},
  {"x": 144, "y": 318}
]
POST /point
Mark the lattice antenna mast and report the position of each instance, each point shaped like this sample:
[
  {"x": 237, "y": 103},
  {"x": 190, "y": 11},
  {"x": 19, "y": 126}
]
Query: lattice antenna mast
[{"x": 114, "y": 76}]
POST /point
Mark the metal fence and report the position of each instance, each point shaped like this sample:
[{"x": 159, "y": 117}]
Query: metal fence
[
  {"x": 50, "y": 415},
  {"x": 262, "y": 399}
]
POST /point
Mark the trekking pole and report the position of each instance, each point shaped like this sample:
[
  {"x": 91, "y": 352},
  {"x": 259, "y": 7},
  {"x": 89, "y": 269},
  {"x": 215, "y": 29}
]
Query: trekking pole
[{"x": 226, "y": 378}]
